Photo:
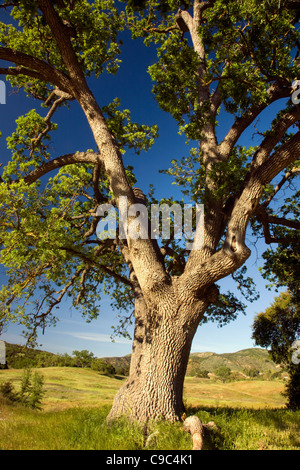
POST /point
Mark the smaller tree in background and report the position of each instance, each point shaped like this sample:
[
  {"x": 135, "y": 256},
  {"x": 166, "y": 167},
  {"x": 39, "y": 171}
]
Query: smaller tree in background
[
  {"x": 251, "y": 372},
  {"x": 83, "y": 358},
  {"x": 101, "y": 366},
  {"x": 278, "y": 328},
  {"x": 223, "y": 373}
]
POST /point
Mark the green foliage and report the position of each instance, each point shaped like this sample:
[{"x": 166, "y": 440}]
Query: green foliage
[
  {"x": 29, "y": 145},
  {"x": 175, "y": 86},
  {"x": 246, "y": 47},
  {"x": 83, "y": 358},
  {"x": 292, "y": 389},
  {"x": 101, "y": 366},
  {"x": 278, "y": 327},
  {"x": 223, "y": 373},
  {"x": 127, "y": 133},
  {"x": 228, "y": 176},
  {"x": 31, "y": 391},
  {"x": 19, "y": 357},
  {"x": 93, "y": 28},
  {"x": 281, "y": 267},
  {"x": 7, "y": 391},
  {"x": 48, "y": 245},
  {"x": 251, "y": 372},
  {"x": 196, "y": 371}
]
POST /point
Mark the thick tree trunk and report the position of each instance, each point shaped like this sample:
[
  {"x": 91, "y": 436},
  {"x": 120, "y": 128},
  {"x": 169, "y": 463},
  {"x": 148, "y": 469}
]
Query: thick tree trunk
[
  {"x": 160, "y": 353},
  {"x": 168, "y": 309},
  {"x": 155, "y": 384}
]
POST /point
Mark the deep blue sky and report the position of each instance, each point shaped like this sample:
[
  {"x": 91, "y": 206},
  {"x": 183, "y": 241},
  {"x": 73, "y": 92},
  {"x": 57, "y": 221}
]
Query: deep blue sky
[{"x": 133, "y": 85}]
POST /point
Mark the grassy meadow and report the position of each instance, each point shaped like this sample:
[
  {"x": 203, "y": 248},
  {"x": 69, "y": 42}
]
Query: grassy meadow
[{"x": 250, "y": 415}]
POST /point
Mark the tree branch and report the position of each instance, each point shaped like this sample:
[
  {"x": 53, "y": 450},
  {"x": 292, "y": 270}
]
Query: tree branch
[
  {"x": 10, "y": 4},
  {"x": 234, "y": 252},
  {"x": 53, "y": 304},
  {"x": 275, "y": 93},
  {"x": 272, "y": 219},
  {"x": 68, "y": 159},
  {"x": 96, "y": 177},
  {"x": 280, "y": 159},
  {"x": 246, "y": 204},
  {"x": 267, "y": 219},
  {"x": 162, "y": 30},
  {"x": 286, "y": 178},
  {"x": 274, "y": 137},
  {"x": 61, "y": 99},
  {"x": 62, "y": 38},
  {"x": 37, "y": 68},
  {"x": 22, "y": 71},
  {"x": 102, "y": 267}
]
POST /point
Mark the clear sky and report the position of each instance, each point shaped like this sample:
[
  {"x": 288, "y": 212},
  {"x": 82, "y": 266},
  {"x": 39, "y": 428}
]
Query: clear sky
[{"x": 133, "y": 85}]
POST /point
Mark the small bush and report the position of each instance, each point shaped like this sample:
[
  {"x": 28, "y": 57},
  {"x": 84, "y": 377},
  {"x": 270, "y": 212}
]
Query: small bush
[
  {"x": 31, "y": 391},
  {"x": 7, "y": 391},
  {"x": 223, "y": 373}
]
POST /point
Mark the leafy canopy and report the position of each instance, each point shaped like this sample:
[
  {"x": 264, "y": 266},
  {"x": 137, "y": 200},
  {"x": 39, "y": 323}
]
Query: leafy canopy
[
  {"x": 278, "y": 327},
  {"x": 48, "y": 231}
]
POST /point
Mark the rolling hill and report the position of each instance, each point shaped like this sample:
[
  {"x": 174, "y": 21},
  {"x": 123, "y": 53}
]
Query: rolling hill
[{"x": 240, "y": 361}]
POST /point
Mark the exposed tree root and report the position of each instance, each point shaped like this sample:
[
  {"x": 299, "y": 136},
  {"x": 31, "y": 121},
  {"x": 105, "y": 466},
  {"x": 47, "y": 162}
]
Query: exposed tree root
[{"x": 199, "y": 432}]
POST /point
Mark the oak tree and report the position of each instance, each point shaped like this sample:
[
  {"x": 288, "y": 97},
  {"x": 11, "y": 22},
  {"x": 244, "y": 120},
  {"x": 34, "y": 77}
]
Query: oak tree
[{"x": 214, "y": 58}]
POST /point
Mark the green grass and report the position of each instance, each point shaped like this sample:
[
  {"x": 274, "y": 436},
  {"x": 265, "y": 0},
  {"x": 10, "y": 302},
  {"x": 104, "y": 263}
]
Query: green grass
[
  {"x": 246, "y": 429},
  {"x": 67, "y": 387},
  {"x": 86, "y": 429},
  {"x": 250, "y": 416}
]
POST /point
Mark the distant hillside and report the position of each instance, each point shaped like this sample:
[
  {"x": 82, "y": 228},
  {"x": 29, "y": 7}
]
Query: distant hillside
[
  {"x": 240, "y": 361},
  {"x": 18, "y": 357},
  {"x": 247, "y": 359},
  {"x": 119, "y": 363}
]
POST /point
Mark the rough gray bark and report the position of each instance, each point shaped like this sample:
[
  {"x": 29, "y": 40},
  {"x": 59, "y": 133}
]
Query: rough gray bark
[{"x": 161, "y": 347}]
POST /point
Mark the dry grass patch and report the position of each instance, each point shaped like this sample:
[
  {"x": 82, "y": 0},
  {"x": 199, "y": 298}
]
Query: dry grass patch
[{"x": 245, "y": 394}]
